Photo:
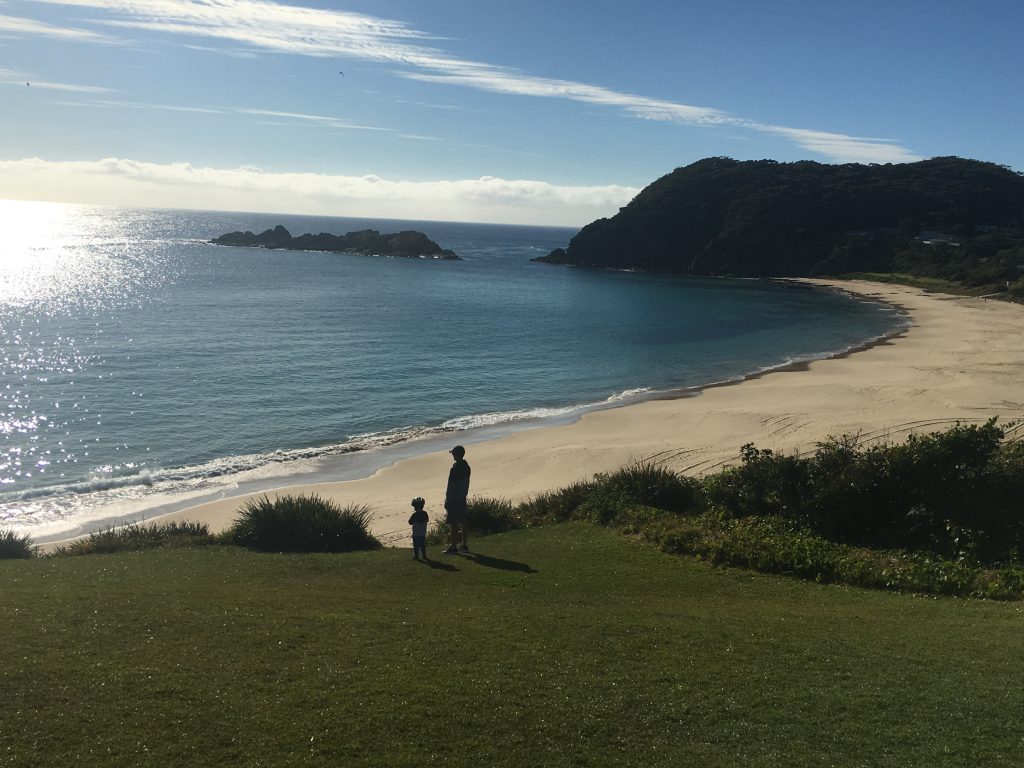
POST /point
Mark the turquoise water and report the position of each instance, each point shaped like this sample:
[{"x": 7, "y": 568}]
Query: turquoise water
[{"x": 143, "y": 368}]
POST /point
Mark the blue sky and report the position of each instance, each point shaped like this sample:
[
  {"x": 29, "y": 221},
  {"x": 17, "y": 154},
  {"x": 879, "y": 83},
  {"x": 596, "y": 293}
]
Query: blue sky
[{"x": 552, "y": 112}]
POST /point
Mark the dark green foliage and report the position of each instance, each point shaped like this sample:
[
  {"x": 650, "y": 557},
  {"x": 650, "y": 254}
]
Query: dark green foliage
[
  {"x": 650, "y": 485},
  {"x": 484, "y": 516},
  {"x": 135, "y": 537},
  {"x": 555, "y": 506},
  {"x": 302, "y": 524},
  {"x": 956, "y": 493},
  {"x": 765, "y": 483},
  {"x": 15, "y": 547},
  {"x": 762, "y": 218},
  {"x": 777, "y": 545},
  {"x": 940, "y": 513},
  {"x": 640, "y": 485}
]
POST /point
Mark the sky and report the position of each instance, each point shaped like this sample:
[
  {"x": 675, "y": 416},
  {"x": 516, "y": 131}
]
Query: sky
[{"x": 553, "y": 112}]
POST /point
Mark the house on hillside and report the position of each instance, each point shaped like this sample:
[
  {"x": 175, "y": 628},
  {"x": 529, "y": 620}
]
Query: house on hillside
[{"x": 933, "y": 237}]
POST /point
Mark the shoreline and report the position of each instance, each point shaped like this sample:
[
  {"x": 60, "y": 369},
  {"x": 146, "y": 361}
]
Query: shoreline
[
  {"x": 881, "y": 387},
  {"x": 364, "y": 455}
]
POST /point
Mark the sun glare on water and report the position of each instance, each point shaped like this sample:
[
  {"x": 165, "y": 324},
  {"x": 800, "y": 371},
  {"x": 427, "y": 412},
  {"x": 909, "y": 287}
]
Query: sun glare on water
[{"x": 48, "y": 255}]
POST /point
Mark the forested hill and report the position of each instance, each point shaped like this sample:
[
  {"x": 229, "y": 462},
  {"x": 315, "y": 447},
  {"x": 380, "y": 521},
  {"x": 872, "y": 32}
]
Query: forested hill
[{"x": 945, "y": 217}]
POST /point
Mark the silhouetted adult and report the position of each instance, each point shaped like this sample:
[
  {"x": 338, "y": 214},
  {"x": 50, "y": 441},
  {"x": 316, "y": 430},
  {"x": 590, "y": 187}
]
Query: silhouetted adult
[{"x": 455, "y": 499}]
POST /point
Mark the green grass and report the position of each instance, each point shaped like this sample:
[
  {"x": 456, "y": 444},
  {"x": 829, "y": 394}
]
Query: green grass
[{"x": 563, "y": 645}]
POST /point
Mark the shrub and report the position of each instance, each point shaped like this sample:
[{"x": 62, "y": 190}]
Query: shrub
[
  {"x": 650, "y": 485},
  {"x": 484, "y": 515},
  {"x": 776, "y": 545},
  {"x": 765, "y": 483},
  {"x": 15, "y": 547},
  {"x": 955, "y": 493},
  {"x": 134, "y": 537},
  {"x": 302, "y": 524},
  {"x": 554, "y": 506}
]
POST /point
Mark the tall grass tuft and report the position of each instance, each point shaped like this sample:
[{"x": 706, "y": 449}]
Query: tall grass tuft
[
  {"x": 132, "y": 538},
  {"x": 302, "y": 524},
  {"x": 15, "y": 547},
  {"x": 555, "y": 506},
  {"x": 484, "y": 515},
  {"x": 651, "y": 485}
]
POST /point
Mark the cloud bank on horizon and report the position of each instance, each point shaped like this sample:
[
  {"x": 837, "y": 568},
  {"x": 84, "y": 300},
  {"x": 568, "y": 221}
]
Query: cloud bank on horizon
[{"x": 112, "y": 181}]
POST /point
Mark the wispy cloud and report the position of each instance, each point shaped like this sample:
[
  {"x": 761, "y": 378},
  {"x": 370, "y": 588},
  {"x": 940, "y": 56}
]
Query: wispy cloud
[
  {"x": 12, "y": 77},
  {"x": 144, "y": 105},
  {"x": 286, "y": 118},
  {"x": 22, "y": 26},
  {"x": 333, "y": 122},
  {"x": 121, "y": 181},
  {"x": 69, "y": 87},
  {"x": 238, "y": 53},
  {"x": 273, "y": 26}
]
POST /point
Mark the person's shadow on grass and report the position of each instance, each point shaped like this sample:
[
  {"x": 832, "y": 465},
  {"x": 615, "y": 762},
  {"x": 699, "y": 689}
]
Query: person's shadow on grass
[
  {"x": 437, "y": 565},
  {"x": 497, "y": 562}
]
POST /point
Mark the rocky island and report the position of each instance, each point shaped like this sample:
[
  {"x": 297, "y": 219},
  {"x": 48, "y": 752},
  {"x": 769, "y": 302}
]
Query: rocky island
[{"x": 408, "y": 244}]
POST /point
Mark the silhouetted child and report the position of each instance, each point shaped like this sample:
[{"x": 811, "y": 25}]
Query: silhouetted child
[{"x": 419, "y": 521}]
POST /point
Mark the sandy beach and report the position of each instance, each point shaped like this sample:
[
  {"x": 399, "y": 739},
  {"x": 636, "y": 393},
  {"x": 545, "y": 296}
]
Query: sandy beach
[{"x": 960, "y": 359}]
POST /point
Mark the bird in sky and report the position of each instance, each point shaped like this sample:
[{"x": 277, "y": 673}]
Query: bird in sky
[{"x": 341, "y": 73}]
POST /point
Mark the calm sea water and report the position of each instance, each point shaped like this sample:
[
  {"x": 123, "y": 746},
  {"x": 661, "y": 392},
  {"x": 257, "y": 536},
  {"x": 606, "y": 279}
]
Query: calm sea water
[{"x": 143, "y": 369}]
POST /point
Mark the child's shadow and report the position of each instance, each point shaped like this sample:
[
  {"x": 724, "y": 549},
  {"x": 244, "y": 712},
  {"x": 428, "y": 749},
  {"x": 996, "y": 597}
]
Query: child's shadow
[{"x": 437, "y": 565}]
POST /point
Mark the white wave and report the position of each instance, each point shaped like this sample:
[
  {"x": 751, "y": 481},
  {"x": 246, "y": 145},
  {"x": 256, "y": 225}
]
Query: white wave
[{"x": 629, "y": 394}]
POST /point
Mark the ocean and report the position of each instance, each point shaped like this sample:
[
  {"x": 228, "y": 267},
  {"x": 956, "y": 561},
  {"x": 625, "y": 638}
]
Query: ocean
[{"x": 144, "y": 370}]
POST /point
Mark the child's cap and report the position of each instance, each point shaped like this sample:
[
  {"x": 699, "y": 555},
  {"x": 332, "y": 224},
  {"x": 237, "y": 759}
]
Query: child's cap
[{"x": 418, "y": 501}]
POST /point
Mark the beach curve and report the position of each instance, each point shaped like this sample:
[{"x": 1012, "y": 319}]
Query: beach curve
[{"x": 960, "y": 359}]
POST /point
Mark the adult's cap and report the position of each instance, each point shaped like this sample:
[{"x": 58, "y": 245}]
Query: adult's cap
[{"x": 458, "y": 450}]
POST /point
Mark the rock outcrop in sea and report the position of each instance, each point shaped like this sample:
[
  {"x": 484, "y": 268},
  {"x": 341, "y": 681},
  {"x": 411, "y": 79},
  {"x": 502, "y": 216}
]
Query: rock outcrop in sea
[{"x": 406, "y": 244}]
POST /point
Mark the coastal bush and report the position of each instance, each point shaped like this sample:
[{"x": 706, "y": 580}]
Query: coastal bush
[
  {"x": 16, "y": 547},
  {"x": 955, "y": 493},
  {"x": 135, "y": 537},
  {"x": 940, "y": 513},
  {"x": 765, "y": 483},
  {"x": 484, "y": 515},
  {"x": 554, "y": 506},
  {"x": 302, "y": 524},
  {"x": 650, "y": 485},
  {"x": 780, "y": 546}
]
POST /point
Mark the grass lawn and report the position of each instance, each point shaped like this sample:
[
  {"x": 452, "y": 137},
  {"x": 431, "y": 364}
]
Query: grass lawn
[{"x": 566, "y": 645}]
